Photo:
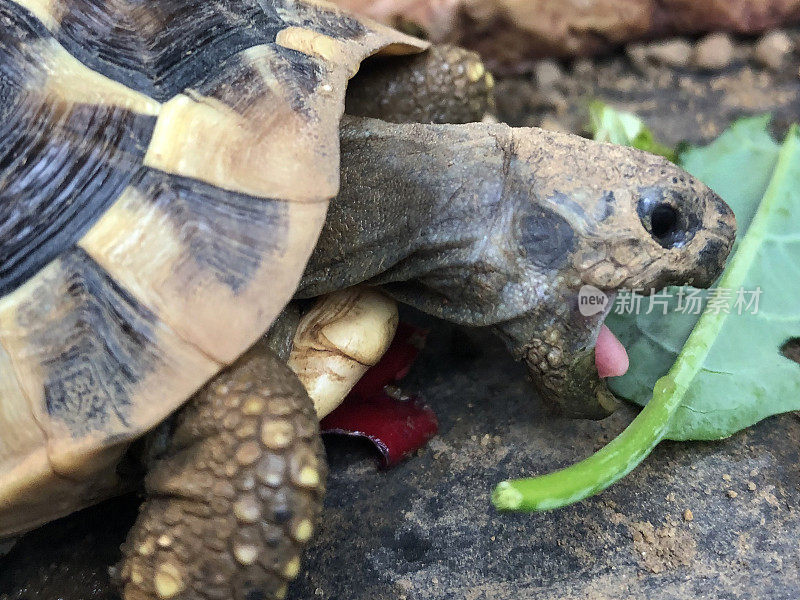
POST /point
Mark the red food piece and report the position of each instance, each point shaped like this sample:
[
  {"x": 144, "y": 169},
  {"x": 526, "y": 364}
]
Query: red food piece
[
  {"x": 395, "y": 364},
  {"x": 398, "y": 426}
]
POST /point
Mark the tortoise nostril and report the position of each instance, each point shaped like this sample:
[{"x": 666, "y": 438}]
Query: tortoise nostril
[
  {"x": 791, "y": 349},
  {"x": 664, "y": 222}
]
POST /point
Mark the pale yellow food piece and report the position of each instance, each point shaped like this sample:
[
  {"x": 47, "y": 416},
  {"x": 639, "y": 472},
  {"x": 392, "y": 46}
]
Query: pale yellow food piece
[{"x": 345, "y": 334}]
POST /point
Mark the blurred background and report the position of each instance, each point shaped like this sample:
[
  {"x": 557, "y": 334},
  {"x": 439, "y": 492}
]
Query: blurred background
[{"x": 688, "y": 67}]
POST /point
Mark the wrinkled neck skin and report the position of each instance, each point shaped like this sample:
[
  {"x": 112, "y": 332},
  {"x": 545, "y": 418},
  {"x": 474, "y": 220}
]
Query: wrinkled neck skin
[
  {"x": 444, "y": 219},
  {"x": 434, "y": 225}
]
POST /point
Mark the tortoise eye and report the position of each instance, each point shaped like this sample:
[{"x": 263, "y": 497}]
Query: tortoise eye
[
  {"x": 664, "y": 221},
  {"x": 667, "y": 224}
]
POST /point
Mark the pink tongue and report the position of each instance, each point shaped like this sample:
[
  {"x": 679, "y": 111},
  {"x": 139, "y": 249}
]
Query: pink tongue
[{"x": 610, "y": 356}]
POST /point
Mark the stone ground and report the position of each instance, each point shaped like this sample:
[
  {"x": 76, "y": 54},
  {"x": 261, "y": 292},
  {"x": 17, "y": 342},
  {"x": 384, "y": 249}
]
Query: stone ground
[
  {"x": 702, "y": 520},
  {"x": 679, "y": 100},
  {"x": 426, "y": 530}
]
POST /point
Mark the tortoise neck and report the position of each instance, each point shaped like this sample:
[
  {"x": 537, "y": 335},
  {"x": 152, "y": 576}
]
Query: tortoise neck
[
  {"x": 428, "y": 212},
  {"x": 414, "y": 199}
]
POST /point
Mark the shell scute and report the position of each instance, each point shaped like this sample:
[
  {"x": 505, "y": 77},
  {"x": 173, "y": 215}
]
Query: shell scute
[
  {"x": 62, "y": 162},
  {"x": 161, "y": 47}
]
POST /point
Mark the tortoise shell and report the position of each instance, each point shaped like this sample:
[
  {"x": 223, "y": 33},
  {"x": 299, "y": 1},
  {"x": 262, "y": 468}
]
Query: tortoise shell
[{"x": 165, "y": 169}]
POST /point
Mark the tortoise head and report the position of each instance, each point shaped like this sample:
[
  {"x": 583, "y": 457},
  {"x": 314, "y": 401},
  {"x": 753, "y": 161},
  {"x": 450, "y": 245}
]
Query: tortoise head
[
  {"x": 486, "y": 225},
  {"x": 610, "y": 217},
  {"x": 635, "y": 220}
]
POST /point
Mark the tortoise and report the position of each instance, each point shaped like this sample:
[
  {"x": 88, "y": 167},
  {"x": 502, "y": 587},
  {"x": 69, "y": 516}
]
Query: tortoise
[{"x": 165, "y": 172}]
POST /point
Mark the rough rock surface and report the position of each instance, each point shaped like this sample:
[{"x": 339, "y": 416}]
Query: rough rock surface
[
  {"x": 512, "y": 33},
  {"x": 426, "y": 530}
]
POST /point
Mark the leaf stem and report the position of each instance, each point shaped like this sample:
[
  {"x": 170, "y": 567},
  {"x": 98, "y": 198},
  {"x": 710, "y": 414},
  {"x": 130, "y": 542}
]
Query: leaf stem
[{"x": 627, "y": 450}]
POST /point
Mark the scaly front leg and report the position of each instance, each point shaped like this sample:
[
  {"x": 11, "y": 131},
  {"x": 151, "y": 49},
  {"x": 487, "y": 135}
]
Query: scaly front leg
[{"x": 236, "y": 494}]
